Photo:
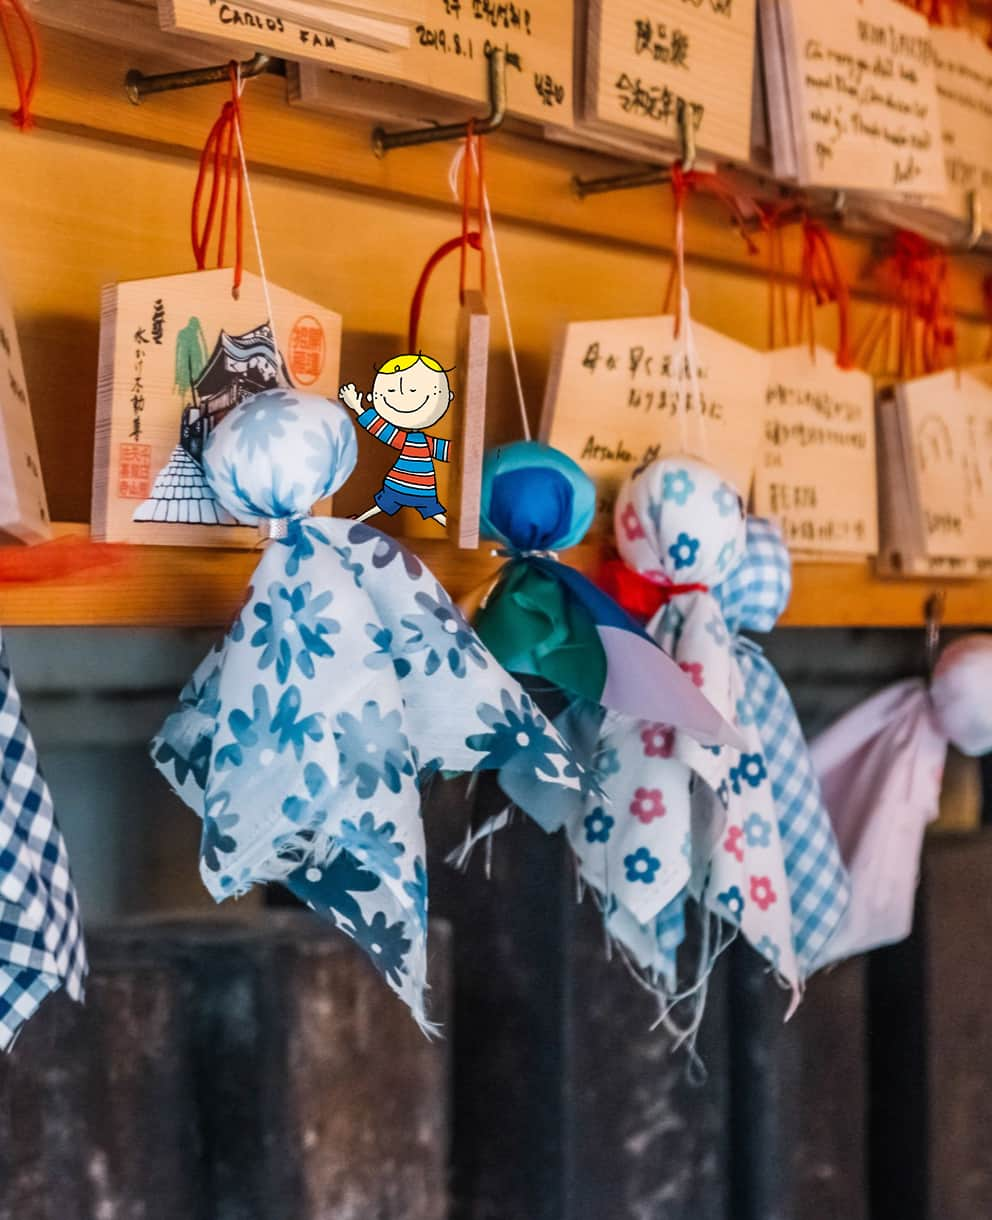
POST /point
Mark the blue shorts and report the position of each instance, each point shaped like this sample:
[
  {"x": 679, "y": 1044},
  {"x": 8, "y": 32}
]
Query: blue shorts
[{"x": 391, "y": 501}]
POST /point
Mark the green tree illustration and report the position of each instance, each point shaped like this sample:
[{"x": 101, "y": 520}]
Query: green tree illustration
[{"x": 191, "y": 356}]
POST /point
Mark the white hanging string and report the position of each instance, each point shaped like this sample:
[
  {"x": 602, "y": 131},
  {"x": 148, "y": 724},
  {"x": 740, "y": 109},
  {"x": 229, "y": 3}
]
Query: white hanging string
[
  {"x": 692, "y": 358},
  {"x": 684, "y": 351},
  {"x": 251, "y": 211},
  {"x": 453, "y": 177}
]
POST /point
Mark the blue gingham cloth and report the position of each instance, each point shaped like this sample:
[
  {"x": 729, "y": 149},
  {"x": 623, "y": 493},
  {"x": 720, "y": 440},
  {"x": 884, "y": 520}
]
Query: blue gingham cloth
[
  {"x": 753, "y": 597},
  {"x": 41, "y": 940}
]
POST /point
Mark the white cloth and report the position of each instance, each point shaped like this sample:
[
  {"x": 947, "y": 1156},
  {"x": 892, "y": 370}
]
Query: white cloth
[
  {"x": 880, "y": 767},
  {"x": 686, "y": 819}
]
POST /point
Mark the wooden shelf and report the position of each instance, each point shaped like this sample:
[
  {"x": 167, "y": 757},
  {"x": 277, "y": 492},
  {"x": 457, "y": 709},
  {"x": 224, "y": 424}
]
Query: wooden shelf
[{"x": 133, "y": 586}]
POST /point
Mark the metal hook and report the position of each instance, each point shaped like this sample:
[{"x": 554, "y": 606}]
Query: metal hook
[
  {"x": 975, "y": 225},
  {"x": 687, "y": 135},
  {"x": 581, "y": 187},
  {"x": 137, "y": 85},
  {"x": 934, "y": 612},
  {"x": 383, "y": 141}
]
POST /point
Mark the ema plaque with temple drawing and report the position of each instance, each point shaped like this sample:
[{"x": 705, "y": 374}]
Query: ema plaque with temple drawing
[{"x": 176, "y": 355}]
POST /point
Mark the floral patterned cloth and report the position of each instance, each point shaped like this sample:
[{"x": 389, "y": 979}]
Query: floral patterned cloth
[
  {"x": 348, "y": 677},
  {"x": 536, "y": 501},
  {"x": 687, "y": 819}
]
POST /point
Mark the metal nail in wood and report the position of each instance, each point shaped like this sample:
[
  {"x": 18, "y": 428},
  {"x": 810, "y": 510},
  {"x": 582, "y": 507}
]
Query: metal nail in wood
[
  {"x": 975, "y": 223},
  {"x": 581, "y": 187},
  {"x": 383, "y": 141},
  {"x": 933, "y": 612},
  {"x": 137, "y": 85}
]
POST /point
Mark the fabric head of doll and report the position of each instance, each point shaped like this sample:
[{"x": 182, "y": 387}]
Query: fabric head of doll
[
  {"x": 757, "y": 591},
  {"x": 277, "y": 453},
  {"x": 534, "y": 498},
  {"x": 959, "y": 693},
  {"x": 678, "y": 522}
]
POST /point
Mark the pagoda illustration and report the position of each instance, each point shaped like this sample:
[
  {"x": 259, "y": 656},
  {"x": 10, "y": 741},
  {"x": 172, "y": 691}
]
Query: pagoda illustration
[{"x": 210, "y": 387}]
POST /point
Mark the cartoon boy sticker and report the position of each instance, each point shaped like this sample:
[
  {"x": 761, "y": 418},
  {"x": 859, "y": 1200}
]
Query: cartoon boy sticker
[{"x": 410, "y": 393}]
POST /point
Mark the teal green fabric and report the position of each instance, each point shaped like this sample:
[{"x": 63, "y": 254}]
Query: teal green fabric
[{"x": 533, "y": 626}]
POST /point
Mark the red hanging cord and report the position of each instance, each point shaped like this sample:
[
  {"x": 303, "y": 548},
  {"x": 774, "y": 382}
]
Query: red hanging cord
[
  {"x": 915, "y": 278},
  {"x": 822, "y": 282},
  {"x": 987, "y": 302},
  {"x": 473, "y": 169},
  {"x": 26, "y": 80},
  {"x": 771, "y": 222},
  {"x": 220, "y": 159},
  {"x": 417, "y": 302},
  {"x": 710, "y": 184}
]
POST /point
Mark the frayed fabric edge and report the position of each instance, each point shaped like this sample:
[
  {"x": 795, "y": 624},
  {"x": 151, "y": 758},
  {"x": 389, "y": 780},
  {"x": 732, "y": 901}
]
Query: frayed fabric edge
[{"x": 318, "y": 850}]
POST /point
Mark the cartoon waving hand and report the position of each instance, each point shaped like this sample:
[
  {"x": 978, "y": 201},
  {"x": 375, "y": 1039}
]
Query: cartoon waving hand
[{"x": 351, "y": 397}]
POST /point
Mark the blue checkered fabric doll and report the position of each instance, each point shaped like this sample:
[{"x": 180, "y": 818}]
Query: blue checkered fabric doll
[
  {"x": 752, "y": 598},
  {"x": 41, "y": 940}
]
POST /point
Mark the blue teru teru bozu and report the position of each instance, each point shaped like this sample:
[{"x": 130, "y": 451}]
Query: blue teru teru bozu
[
  {"x": 347, "y": 678},
  {"x": 547, "y": 621}
]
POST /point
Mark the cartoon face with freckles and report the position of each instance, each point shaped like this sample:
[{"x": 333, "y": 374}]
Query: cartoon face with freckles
[{"x": 414, "y": 397}]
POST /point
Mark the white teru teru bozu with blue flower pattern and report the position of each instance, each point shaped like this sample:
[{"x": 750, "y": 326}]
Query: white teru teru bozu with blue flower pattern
[{"x": 348, "y": 677}]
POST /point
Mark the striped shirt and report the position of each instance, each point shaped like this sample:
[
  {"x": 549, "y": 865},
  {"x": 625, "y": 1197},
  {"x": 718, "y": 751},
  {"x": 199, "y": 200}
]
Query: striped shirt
[{"x": 413, "y": 472}]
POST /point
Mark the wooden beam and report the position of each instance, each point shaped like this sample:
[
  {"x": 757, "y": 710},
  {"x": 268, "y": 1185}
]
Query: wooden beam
[
  {"x": 529, "y": 178},
  {"x": 139, "y": 586}
]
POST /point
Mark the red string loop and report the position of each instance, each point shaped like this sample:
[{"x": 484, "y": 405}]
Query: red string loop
[
  {"x": 683, "y": 182},
  {"x": 473, "y": 170},
  {"x": 220, "y": 160},
  {"x": 26, "y": 80},
  {"x": 417, "y": 302}
]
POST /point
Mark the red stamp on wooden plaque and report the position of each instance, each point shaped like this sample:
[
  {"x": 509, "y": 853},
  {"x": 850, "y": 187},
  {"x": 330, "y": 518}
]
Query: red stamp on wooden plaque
[
  {"x": 306, "y": 350},
  {"x": 134, "y": 471}
]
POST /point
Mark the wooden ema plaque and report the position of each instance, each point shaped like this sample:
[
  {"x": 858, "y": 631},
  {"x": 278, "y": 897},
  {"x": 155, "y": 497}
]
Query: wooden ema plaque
[
  {"x": 948, "y": 426},
  {"x": 131, "y": 24},
  {"x": 176, "y": 355},
  {"x": 645, "y": 62},
  {"x": 23, "y": 508},
  {"x": 295, "y": 29},
  {"x": 963, "y": 65},
  {"x": 862, "y": 96},
  {"x": 816, "y": 471},
  {"x": 447, "y": 57},
  {"x": 614, "y": 401},
  {"x": 471, "y": 375}
]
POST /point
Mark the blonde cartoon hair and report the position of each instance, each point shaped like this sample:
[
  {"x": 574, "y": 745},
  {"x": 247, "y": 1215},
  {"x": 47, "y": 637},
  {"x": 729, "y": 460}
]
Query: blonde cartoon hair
[{"x": 400, "y": 364}]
